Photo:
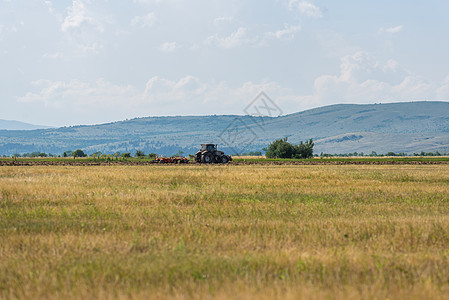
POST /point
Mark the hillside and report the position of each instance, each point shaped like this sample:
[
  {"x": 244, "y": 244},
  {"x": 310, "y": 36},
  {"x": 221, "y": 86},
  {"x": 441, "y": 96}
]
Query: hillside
[
  {"x": 399, "y": 127},
  {"x": 16, "y": 125}
]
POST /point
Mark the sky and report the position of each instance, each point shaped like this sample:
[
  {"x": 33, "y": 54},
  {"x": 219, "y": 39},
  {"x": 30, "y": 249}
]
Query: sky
[{"x": 71, "y": 62}]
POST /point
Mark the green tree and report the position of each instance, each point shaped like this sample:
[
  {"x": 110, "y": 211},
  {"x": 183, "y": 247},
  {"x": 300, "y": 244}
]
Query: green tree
[
  {"x": 79, "y": 153},
  {"x": 283, "y": 149},
  {"x": 96, "y": 155},
  {"x": 117, "y": 155},
  {"x": 304, "y": 150},
  {"x": 280, "y": 149},
  {"x": 139, "y": 153}
]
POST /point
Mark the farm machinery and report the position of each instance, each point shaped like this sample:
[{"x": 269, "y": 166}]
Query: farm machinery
[
  {"x": 171, "y": 160},
  {"x": 209, "y": 154}
]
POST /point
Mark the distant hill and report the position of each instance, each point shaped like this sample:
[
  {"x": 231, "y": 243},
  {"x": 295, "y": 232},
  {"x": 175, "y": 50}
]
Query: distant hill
[
  {"x": 16, "y": 125},
  {"x": 343, "y": 128}
]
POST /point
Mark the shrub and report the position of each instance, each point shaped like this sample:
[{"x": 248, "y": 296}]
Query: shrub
[
  {"x": 283, "y": 149},
  {"x": 280, "y": 149},
  {"x": 304, "y": 150},
  {"x": 79, "y": 153},
  {"x": 139, "y": 153}
]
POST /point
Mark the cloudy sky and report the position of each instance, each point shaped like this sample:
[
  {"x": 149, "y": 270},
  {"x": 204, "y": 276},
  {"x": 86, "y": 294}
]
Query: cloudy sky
[{"x": 72, "y": 62}]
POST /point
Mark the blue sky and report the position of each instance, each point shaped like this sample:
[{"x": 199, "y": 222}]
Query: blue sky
[{"x": 85, "y": 62}]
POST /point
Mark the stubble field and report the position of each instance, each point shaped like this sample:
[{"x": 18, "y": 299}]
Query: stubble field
[{"x": 224, "y": 232}]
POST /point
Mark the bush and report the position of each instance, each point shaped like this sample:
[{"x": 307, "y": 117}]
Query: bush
[
  {"x": 252, "y": 153},
  {"x": 280, "y": 149},
  {"x": 38, "y": 154},
  {"x": 139, "y": 153},
  {"x": 283, "y": 149},
  {"x": 79, "y": 153},
  {"x": 304, "y": 150}
]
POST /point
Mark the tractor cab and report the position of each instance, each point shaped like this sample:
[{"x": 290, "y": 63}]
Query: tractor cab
[{"x": 208, "y": 147}]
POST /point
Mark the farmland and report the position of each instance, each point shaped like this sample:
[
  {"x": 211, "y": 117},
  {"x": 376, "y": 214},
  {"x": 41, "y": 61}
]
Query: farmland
[
  {"x": 249, "y": 160},
  {"x": 260, "y": 231}
]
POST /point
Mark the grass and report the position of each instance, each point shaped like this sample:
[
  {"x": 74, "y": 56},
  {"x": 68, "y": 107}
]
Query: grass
[{"x": 224, "y": 232}]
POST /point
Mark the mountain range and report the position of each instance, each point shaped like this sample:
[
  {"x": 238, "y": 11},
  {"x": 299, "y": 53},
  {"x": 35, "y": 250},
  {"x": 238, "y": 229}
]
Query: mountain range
[
  {"x": 17, "y": 125},
  {"x": 342, "y": 128}
]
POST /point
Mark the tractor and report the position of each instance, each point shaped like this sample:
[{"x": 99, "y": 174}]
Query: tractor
[{"x": 209, "y": 154}]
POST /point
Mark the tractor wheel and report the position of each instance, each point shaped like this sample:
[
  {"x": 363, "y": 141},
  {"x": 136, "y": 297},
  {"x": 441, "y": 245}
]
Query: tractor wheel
[
  {"x": 208, "y": 158},
  {"x": 224, "y": 160}
]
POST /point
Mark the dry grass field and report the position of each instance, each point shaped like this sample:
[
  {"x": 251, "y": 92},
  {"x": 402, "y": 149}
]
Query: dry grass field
[{"x": 225, "y": 232}]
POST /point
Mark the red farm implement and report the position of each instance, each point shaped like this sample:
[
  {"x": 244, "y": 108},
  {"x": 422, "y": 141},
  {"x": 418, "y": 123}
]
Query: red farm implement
[{"x": 171, "y": 160}]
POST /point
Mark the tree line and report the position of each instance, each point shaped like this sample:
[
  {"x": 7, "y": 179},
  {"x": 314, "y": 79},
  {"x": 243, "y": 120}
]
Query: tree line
[
  {"x": 80, "y": 153},
  {"x": 279, "y": 148}
]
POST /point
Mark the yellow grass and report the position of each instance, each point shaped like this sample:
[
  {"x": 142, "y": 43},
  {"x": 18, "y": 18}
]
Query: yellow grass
[{"x": 225, "y": 232}]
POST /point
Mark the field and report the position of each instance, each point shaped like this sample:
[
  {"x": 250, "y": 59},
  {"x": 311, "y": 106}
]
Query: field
[
  {"x": 261, "y": 231},
  {"x": 237, "y": 160}
]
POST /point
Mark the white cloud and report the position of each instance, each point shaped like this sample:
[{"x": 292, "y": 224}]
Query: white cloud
[
  {"x": 189, "y": 94},
  {"x": 78, "y": 15},
  {"x": 76, "y": 93},
  {"x": 195, "y": 96},
  {"x": 7, "y": 30},
  {"x": 221, "y": 20},
  {"x": 237, "y": 38},
  {"x": 241, "y": 38},
  {"x": 52, "y": 11},
  {"x": 443, "y": 91},
  {"x": 395, "y": 29},
  {"x": 392, "y": 30},
  {"x": 306, "y": 8},
  {"x": 147, "y": 20},
  {"x": 363, "y": 78},
  {"x": 168, "y": 47},
  {"x": 50, "y": 7},
  {"x": 90, "y": 48},
  {"x": 56, "y": 55},
  {"x": 356, "y": 83},
  {"x": 287, "y": 33}
]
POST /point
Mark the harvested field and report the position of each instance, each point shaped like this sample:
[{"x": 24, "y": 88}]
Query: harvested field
[{"x": 260, "y": 231}]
